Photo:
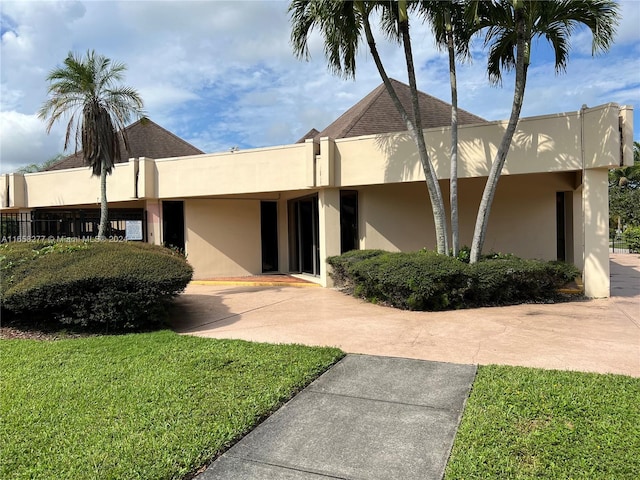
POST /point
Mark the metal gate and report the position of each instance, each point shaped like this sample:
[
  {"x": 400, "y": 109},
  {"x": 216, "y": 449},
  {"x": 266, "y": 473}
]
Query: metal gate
[{"x": 124, "y": 224}]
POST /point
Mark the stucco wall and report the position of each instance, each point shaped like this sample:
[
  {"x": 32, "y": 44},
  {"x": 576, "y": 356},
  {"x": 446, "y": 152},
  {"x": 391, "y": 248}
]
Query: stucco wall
[
  {"x": 223, "y": 237},
  {"x": 523, "y": 217},
  {"x": 245, "y": 171},
  {"x": 395, "y": 217},
  {"x": 78, "y": 187},
  {"x": 547, "y": 143}
]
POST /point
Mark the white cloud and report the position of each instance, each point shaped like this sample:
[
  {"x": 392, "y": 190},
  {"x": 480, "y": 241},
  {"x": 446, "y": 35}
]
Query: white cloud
[
  {"x": 627, "y": 32},
  {"x": 39, "y": 41},
  {"x": 162, "y": 96},
  {"x": 23, "y": 140}
]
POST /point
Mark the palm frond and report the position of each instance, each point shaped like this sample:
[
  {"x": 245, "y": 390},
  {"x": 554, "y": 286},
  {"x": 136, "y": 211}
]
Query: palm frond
[
  {"x": 86, "y": 91},
  {"x": 389, "y": 17},
  {"x": 448, "y": 17},
  {"x": 502, "y": 56},
  {"x": 554, "y": 20},
  {"x": 339, "y": 24}
]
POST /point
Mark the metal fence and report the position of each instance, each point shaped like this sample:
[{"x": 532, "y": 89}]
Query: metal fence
[
  {"x": 124, "y": 224},
  {"x": 617, "y": 244}
]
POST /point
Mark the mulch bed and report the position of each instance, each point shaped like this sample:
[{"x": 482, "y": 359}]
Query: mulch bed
[
  {"x": 39, "y": 329},
  {"x": 23, "y": 333}
]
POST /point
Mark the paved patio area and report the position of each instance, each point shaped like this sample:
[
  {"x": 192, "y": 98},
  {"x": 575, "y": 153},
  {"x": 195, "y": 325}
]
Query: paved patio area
[{"x": 601, "y": 335}]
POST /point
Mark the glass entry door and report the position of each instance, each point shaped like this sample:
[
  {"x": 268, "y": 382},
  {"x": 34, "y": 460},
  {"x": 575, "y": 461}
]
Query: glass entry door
[{"x": 304, "y": 235}]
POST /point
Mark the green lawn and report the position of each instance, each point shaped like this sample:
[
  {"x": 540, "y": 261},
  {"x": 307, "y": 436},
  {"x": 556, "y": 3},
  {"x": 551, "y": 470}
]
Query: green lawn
[
  {"x": 140, "y": 406},
  {"x": 523, "y": 423},
  {"x": 159, "y": 405}
]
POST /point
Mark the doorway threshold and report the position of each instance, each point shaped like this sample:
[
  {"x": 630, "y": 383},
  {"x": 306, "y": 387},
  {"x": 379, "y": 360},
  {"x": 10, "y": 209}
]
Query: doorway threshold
[{"x": 265, "y": 280}]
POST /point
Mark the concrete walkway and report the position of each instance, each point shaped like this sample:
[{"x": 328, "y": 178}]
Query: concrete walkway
[
  {"x": 372, "y": 418},
  {"x": 375, "y": 417},
  {"x": 600, "y": 335}
]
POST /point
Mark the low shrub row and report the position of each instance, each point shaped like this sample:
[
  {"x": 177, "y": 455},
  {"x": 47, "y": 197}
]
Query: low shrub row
[
  {"x": 428, "y": 281},
  {"x": 97, "y": 284}
]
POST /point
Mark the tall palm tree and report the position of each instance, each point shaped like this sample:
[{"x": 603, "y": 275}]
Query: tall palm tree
[
  {"x": 452, "y": 34},
  {"x": 342, "y": 25},
  {"x": 87, "y": 91},
  {"x": 510, "y": 27}
]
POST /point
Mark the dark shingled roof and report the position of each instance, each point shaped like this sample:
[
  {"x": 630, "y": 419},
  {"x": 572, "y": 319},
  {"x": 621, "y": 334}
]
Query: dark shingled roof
[
  {"x": 376, "y": 114},
  {"x": 146, "y": 139},
  {"x": 310, "y": 134}
]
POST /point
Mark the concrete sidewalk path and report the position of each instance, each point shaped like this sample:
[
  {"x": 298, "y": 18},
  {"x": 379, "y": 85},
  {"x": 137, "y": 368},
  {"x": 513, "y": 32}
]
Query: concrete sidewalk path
[{"x": 366, "y": 418}]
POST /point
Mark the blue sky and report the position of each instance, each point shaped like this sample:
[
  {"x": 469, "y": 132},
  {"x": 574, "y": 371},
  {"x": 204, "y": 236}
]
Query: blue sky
[{"x": 222, "y": 73}]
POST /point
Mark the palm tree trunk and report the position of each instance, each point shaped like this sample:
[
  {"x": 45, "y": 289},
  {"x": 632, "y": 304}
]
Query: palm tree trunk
[
  {"x": 453, "y": 178},
  {"x": 488, "y": 194},
  {"x": 435, "y": 195},
  {"x": 104, "y": 208}
]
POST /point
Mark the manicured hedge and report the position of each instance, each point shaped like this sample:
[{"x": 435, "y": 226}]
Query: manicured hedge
[
  {"x": 113, "y": 285},
  {"x": 428, "y": 281},
  {"x": 343, "y": 265}
]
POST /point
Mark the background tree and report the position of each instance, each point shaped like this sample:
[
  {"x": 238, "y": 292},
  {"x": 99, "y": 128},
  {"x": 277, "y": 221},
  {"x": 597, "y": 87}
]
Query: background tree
[
  {"x": 38, "y": 167},
  {"x": 510, "y": 27},
  {"x": 87, "y": 91},
  {"x": 342, "y": 24},
  {"x": 624, "y": 194},
  {"x": 627, "y": 176}
]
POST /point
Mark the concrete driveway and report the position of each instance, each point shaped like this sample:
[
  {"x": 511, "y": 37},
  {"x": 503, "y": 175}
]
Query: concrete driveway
[{"x": 601, "y": 335}]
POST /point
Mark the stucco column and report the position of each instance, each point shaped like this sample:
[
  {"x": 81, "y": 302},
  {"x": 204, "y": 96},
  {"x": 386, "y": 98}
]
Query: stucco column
[
  {"x": 154, "y": 222},
  {"x": 595, "y": 211},
  {"x": 17, "y": 191},
  {"x": 329, "y": 222},
  {"x": 25, "y": 223}
]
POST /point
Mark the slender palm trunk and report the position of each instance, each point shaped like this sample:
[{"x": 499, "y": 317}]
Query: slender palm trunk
[
  {"x": 435, "y": 193},
  {"x": 453, "y": 178},
  {"x": 433, "y": 187},
  {"x": 104, "y": 208},
  {"x": 488, "y": 194}
]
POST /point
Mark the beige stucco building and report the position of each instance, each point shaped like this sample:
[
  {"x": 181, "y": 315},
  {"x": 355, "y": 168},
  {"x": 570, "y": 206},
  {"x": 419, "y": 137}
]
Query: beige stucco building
[{"x": 287, "y": 208}]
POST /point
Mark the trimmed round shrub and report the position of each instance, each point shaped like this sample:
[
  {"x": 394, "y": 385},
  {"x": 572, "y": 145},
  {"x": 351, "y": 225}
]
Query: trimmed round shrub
[
  {"x": 414, "y": 281},
  {"x": 98, "y": 284},
  {"x": 426, "y": 280}
]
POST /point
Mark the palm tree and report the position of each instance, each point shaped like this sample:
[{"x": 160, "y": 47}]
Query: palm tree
[
  {"x": 38, "y": 167},
  {"x": 451, "y": 33},
  {"x": 342, "y": 24},
  {"x": 87, "y": 91},
  {"x": 510, "y": 27},
  {"x": 627, "y": 177}
]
